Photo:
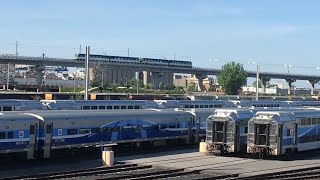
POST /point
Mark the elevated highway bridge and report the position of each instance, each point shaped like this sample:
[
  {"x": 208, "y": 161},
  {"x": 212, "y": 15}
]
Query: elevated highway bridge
[{"x": 156, "y": 71}]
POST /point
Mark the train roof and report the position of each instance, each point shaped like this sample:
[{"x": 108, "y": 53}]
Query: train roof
[
  {"x": 75, "y": 113},
  {"x": 16, "y": 117},
  {"x": 281, "y": 116},
  {"x": 30, "y": 104}
]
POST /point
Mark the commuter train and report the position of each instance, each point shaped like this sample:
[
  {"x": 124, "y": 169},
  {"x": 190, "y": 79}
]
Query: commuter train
[
  {"x": 37, "y": 134},
  {"x": 20, "y": 105},
  {"x": 134, "y": 60},
  {"x": 99, "y": 104},
  {"x": 227, "y": 129},
  {"x": 278, "y": 133},
  {"x": 194, "y": 104}
]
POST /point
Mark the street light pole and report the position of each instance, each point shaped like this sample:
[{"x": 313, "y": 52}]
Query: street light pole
[{"x": 257, "y": 83}]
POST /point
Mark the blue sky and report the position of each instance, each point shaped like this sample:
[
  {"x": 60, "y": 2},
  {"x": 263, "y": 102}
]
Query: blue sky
[{"x": 270, "y": 32}]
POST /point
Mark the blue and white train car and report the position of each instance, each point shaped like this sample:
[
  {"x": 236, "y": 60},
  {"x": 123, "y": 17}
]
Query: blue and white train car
[
  {"x": 19, "y": 134},
  {"x": 194, "y": 104},
  {"x": 98, "y": 104},
  {"x": 20, "y": 105},
  {"x": 227, "y": 130},
  {"x": 278, "y": 133},
  {"x": 76, "y": 129},
  {"x": 261, "y": 104}
]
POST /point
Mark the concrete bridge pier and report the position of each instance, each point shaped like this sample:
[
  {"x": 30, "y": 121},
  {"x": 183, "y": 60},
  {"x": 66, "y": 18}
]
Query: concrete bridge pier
[
  {"x": 145, "y": 77},
  {"x": 290, "y": 81},
  {"x": 264, "y": 84},
  {"x": 40, "y": 73},
  {"x": 312, "y": 82},
  {"x": 200, "y": 78},
  {"x": 156, "y": 77}
]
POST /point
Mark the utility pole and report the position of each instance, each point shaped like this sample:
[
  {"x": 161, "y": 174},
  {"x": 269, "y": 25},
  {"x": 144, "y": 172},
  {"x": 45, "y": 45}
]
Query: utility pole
[
  {"x": 8, "y": 75},
  {"x": 257, "y": 83},
  {"x": 86, "y": 88},
  {"x": 128, "y": 52},
  {"x": 16, "y": 49},
  {"x": 80, "y": 49}
]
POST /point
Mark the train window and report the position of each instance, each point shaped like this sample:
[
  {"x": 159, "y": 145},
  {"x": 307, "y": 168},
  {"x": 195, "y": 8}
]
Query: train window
[
  {"x": 288, "y": 132},
  {"x": 2, "y": 135},
  {"x": 308, "y": 121},
  {"x": 85, "y": 107},
  {"x": 318, "y": 120},
  {"x": 10, "y": 135},
  {"x": 72, "y": 131},
  {"x": 84, "y": 130},
  {"x": 163, "y": 126},
  {"x": 172, "y": 125},
  {"x": 206, "y": 106},
  {"x": 32, "y": 129},
  {"x": 109, "y": 107},
  {"x": 187, "y": 106},
  {"x": 49, "y": 129},
  {"x": 210, "y": 106},
  {"x": 123, "y": 107},
  {"x": 95, "y": 130},
  {"x": 130, "y": 107},
  {"x": 94, "y": 107},
  {"x": 314, "y": 121},
  {"x": 201, "y": 106},
  {"x": 191, "y": 106},
  {"x": 303, "y": 121},
  {"x": 102, "y": 107},
  {"x": 137, "y": 107},
  {"x": 196, "y": 106},
  {"x": 116, "y": 107},
  {"x": 106, "y": 129},
  {"x": 6, "y": 108}
]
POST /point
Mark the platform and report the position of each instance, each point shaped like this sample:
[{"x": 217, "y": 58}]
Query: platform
[{"x": 192, "y": 160}]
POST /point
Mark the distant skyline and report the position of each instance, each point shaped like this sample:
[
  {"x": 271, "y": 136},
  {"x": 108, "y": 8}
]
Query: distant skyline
[{"x": 269, "y": 32}]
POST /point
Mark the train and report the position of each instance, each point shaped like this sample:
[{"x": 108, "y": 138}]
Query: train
[
  {"x": 38, "y": 134},
  {"x": 134, "y": 60},
  {"x": 283, "y": 133},
  {"x": 227, "y": 129}
]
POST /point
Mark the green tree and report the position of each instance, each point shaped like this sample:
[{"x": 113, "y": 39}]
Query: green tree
[
  {"x": 192, "y": 87},
  {"x": 231, "y": 77}
]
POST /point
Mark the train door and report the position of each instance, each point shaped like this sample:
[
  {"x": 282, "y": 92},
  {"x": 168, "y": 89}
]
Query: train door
[
  {"x": 48, "y": 139},
  {"x": 295, "y": 134},
  {"x": 32, "y": 141},
  {"x": 196, "y": 139},
  {"x": 262, "y": 134},
  {"x": 280, "y": 142},
  {"x": 220, "y": 129},
  {"x": 237, "y": 146},
  {"x": 189, "y": 135}
]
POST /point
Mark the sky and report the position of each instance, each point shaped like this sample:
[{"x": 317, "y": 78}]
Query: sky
[{"x": 271, "y": 33}]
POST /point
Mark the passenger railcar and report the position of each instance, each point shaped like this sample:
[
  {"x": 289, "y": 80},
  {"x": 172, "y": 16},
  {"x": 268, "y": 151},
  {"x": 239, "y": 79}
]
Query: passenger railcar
[
  {"x": 19, "y": 134},
  {"x": 20, "y": 105},
  {"x": 61, "y": 130},
  {"x": 194, "y": 104},
  {"x": 227, "y": 130},
  {"x": 262, "y": 104},
  {"x": 134, "y": 60},
  {"x": 98, "y": 104},
  {"x": 278, "y": 133}
]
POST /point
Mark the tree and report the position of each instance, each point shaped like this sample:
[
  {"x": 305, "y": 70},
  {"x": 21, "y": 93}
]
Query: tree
[{"x": 231, "y": 77}]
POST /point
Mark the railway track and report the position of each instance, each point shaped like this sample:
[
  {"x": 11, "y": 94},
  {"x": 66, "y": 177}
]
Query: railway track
[
  {"x": 296, "y": 174},
  {"x": 124, "y": 171}
]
